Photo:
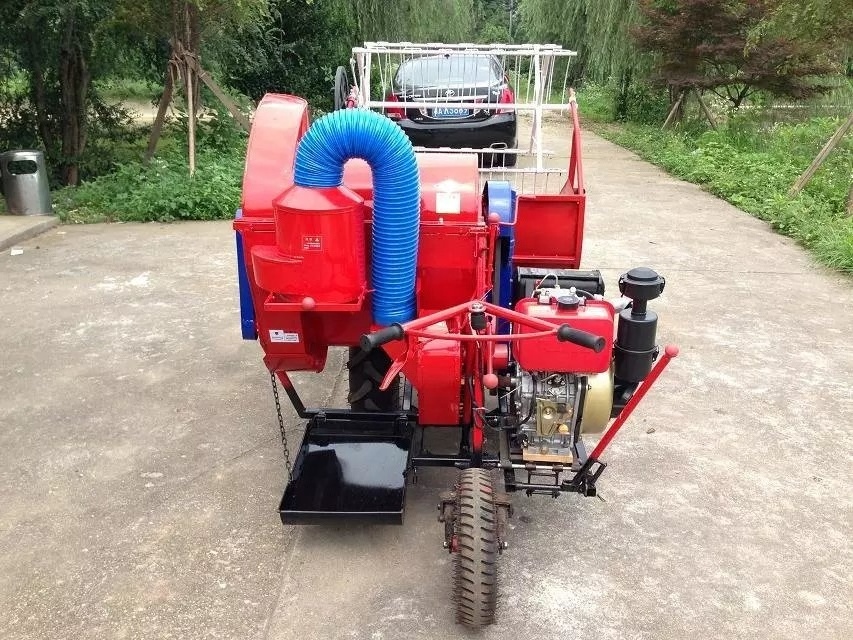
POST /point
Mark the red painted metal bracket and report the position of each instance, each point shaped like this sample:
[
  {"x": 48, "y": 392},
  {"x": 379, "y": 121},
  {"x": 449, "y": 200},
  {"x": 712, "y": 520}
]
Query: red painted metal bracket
[{"x": 670, "y": 352}]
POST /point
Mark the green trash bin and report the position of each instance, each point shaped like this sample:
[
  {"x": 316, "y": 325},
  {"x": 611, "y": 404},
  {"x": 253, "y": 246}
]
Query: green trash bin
[{"x": 23, "y": 175}]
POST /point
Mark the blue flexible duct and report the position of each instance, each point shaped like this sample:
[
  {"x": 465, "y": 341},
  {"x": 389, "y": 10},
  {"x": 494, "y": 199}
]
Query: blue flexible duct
[{"x": 359, "y": 133}]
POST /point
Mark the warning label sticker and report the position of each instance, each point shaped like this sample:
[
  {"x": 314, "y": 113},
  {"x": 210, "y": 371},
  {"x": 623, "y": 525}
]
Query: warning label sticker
[
  {"x": 280, "y": 335},
  {"x": 448, "y": 202},
  {"x": 312, "y": 243}
]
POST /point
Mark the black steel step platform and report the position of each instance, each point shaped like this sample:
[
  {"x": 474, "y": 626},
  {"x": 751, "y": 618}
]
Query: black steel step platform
[{"x": 349, "y": 468}]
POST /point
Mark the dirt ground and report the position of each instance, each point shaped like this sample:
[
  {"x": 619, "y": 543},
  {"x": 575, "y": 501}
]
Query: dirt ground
[{"x": 141, "y": 468}]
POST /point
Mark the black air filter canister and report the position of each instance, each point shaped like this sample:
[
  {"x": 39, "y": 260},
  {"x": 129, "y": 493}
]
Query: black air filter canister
[
  {"x": 635, "y": 345},
  {"x": 635, "y": 348}
]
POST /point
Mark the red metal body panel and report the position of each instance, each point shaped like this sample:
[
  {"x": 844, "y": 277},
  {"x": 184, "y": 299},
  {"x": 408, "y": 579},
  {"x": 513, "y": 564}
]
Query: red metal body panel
[
  {"x": 278, "y": 124},
  {"x": 549, "y": 231},
  {"x": 450, "y": 186},
  {"x": 546, "y": 354},
  {"x": 450, "y": 259},
  {"x": 434, "y": 367},
  {"x": 276, "y": 217},
  {"x": 319, "y": 248},
  {"x": 437, "y": 370},
  {"x": 549, "y": 228}
]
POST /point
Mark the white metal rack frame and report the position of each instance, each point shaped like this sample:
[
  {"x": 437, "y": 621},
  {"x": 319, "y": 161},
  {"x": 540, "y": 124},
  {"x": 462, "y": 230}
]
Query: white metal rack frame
[{"x": 530, "y": 71}]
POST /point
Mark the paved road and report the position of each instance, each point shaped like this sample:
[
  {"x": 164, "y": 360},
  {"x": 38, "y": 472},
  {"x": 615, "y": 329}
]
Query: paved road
[{"x": 140, "y": 466}]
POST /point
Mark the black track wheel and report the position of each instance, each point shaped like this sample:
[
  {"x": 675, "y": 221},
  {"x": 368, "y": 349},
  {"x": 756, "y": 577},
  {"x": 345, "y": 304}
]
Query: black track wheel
[
  {"x": 475, "y": 571},
  {"x": 366, "y": 370}
]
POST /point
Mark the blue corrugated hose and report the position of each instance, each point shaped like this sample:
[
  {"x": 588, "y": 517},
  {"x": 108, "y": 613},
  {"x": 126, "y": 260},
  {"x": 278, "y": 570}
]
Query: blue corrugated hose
[{"x": 359, "y": 133}]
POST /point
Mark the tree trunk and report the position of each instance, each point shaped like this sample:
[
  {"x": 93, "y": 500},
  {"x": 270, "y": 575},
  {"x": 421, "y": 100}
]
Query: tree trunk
[
  {"x": 676, "y": 101},
  {"x": 39, "y": 96},
  {"x": 186, "y": 39},
  {"x": 74, "y": 81},
  {"x": 677, "y": 108},
  {"x": 157, "y": 127},
  {"x": 194, "y": 44}
]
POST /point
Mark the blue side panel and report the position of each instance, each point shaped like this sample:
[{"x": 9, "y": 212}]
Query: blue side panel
[
  {"x": 501, "y": 199},
  {"x": 247, "y": 309}
]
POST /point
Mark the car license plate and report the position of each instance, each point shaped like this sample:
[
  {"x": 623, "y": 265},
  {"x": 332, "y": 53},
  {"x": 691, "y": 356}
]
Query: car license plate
[{"x": 450, "y": 112}]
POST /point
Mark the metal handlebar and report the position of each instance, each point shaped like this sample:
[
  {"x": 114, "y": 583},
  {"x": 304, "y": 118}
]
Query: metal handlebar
[
  {"x": 565, "y": 333},
  {"x": 370, "y": 341}
]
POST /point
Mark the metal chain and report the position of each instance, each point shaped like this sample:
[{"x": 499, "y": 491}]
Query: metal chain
[{"x": 287, "y": 462}]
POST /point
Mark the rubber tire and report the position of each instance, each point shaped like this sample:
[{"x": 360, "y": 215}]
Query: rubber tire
[
  {"x": 341, "y": 88},
  {"x": 366, "y": 371},
  {"x": 475, "y": 569},
  {"x": 492, "y": 160}
]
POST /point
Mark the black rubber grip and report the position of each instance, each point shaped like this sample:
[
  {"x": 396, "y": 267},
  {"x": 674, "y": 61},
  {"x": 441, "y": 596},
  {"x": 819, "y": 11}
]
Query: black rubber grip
[
  {"x": 370, "y": 341},
  {"x": 565, "y": 333}
]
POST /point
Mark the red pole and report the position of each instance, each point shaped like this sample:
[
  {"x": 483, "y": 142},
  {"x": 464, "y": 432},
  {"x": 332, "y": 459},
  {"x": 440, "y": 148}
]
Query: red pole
[{"x": 669, "y": 353}]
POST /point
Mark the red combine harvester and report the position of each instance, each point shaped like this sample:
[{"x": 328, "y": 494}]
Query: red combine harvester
[{"x": 463, "y": 310}]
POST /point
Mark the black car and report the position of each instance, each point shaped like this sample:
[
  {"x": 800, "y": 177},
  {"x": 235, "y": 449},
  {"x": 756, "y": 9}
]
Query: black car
[{"x": 452, "y": 79}]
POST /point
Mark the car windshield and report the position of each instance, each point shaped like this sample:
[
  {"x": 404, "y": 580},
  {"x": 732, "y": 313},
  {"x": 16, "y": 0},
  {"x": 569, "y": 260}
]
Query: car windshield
[{"x": 442, "y": 71}]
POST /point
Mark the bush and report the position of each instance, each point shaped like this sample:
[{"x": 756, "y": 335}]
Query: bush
[
  {"x": 640, "y": 103},
  {"x": 163, "y": 190},
  {"x": 643, "y": 104},
  {"x": 596, "y": 102},
  {"x": 296, "y": 51}
]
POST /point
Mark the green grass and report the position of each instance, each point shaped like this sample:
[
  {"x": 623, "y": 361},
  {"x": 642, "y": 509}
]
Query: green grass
[
  {"x": 163, "y": 191},
  {"x": 128, "y": 89},
  {"x": 752, "y": 166}
]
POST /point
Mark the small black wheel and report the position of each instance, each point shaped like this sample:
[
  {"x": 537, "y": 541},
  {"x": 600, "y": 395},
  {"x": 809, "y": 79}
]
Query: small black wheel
[
  {"x": 366, "y": 371},
  {"x": 341, "y": 88},
  {"x": 476, "y": 542}
]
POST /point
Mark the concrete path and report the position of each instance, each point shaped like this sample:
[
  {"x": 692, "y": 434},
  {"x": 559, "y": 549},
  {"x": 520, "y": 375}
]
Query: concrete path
[
  {"x": 17, "y": 229},
  {"x": 140, "y": 465}
]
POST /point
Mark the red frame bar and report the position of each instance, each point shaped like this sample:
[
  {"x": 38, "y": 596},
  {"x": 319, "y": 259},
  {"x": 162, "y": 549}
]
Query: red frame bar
[
  {"x": 464, "y": 307},
  {"x": 575, "y": 183},
  {"x": 669, "y": 353}
]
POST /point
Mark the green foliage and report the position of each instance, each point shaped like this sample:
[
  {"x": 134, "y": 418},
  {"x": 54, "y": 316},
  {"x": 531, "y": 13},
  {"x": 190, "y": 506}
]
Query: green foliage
[
  {"x": 294, "y": 49},
  {"x": 596, "y": 102},
  {"x": 54, "y": 47},
  {"x": 132, "y": 86},
  {"x": 753, "y": 168},
  {"x": 493, "y": 20},
  {"x": 415, "y": 20},
  {"x": 597, "y": 29},
  {"x": 163, "y": 191},
  {"x": 640, "y": 103},
  {"x": 492, "y": 32},
  {"x": 728, "y": 47},
  {"x": 111, "y": 134},
  {"x": 829, "y": 22}
]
